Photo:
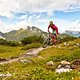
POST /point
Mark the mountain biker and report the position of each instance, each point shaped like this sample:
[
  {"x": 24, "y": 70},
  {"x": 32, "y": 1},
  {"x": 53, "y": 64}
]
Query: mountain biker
[{"x": 54, "y": 33}]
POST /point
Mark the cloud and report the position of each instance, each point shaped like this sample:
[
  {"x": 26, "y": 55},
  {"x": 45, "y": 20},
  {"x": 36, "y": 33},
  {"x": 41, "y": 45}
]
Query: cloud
[
  {"x": 62, "y": 24},
  {"x": 67, "y": 25},
  {"x": 2, "y": 26},
  {"x": 7, "y": 6},
  {"x": 7, "y": 28},
  {"x": 74, "y": 26},
  {"x": 35, "y": 9},
  {"x": 49, "y": 6},
  {"x": 42, "y": 24}
]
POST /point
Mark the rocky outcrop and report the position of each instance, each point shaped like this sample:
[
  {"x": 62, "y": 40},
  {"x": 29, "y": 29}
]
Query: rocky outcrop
[{"x": 63, "y": 67}]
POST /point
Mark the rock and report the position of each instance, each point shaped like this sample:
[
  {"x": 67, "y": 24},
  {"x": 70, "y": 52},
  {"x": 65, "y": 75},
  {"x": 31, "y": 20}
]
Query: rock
[
  {"x": 68, "y": 66},
  {"x": 40, "y": 57},
  {"x": 59, "y": 66},
  {"x": 25, "y": 61},
  {"x": 64, "y": 67},
  {"x": 59, "y": 46},
  {"x": 5, "y": 75},
  {"x": 74, "y": 46},
  {"x": 50, "y": 63},
  {"x": 65, "y": 63},
  {"x": 3, "y": 59},
  {"x": 76, "y": 62},
  {"x": 78, "y": 44},
  {"x": 61, "y": 70},
  {"x": 65, "y": 43},
  {"x": 13, "y": 57}
]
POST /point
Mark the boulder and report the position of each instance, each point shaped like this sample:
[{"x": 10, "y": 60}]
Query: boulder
[
  {"x": 50, "y": 63},
  {"x": 65, "y": 62},
  {"x": 63, "y": 67},
  {"x": 61, "y": 70}
]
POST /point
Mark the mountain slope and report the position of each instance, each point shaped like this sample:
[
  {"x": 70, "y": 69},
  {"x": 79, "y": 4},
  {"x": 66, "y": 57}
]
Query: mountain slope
[
  {"x": 73, "y": 33},
  {"x": 17, "y": 35},
  {"x": 2, "y": 35}
]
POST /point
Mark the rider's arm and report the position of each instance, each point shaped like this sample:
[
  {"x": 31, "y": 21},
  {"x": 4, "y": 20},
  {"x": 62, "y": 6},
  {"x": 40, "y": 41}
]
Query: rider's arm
[
  {"x": 56, "y": 30},
  {"x": 48, "y": 29}
]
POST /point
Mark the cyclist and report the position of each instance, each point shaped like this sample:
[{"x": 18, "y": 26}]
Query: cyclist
[{"x": 54, "y": 33}]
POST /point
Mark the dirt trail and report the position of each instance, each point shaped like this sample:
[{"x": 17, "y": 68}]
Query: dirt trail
[{"x": 29, "y": 53}]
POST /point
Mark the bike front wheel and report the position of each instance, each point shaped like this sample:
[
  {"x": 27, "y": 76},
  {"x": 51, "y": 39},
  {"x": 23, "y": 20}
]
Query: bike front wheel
[{"x": 46, "y": 42}]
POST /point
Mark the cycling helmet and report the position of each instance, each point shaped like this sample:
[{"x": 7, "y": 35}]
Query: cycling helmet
[{"x": 51, "y": 22}]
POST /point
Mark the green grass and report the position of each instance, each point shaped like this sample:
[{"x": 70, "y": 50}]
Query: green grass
[
  {"x": 8, "y": 51},
  {"x": 58, "y": 54},
  {"x": 32, "y": 45},
  {"x": 32, "y": 71},
  {"x": 37, "y": 69}
]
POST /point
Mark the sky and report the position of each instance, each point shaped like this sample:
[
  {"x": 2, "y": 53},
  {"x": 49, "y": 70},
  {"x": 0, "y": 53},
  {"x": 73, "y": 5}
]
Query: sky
[{"x": 16, "y": 14}]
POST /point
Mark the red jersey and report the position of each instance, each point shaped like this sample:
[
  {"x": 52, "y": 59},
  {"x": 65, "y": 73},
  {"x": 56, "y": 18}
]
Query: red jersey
[{"x": 53, "y": 27}]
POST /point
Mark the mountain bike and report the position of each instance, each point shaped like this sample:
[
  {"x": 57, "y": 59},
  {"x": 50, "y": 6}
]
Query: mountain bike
[{"x": 48, "y": 41}]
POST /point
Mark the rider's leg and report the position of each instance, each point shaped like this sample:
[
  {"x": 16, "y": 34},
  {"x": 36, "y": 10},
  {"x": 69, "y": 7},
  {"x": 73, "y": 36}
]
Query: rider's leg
[{"x": 54, "y": 39}]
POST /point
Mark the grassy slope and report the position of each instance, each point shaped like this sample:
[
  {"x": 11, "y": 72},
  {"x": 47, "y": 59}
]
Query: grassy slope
[
  {"x": 8, "y": 51},
  {"x": 37, "y": 70}
]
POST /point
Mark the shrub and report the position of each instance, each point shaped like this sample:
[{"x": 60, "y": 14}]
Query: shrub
[
  {"x": 3, "y": 42},
  {"x": 32, "y": 39},
  {"x": 9, "y": 43},
  {"x": 12, "y": 43},
  {"x": 68, "y": 38},
  {"x": 32, "y": 45}
]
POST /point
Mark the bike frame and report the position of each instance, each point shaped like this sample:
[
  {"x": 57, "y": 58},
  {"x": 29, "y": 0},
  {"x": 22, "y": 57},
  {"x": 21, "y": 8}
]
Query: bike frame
[{"x": 48, "y": 41}]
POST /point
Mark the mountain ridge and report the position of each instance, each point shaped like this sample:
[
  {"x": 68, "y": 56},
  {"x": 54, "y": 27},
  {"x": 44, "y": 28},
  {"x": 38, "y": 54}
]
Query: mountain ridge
[
  {"x": 17, "y": 35},
  {"x": 73, "y": 33}
]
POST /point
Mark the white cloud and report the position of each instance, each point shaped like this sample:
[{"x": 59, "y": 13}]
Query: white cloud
[
  {"x": 2, "y": 24},
  {"x": 42, "y": 24},
  {"x": 67, "y": 25},
  {"x": 74, "y": 26},
  {"x": 49, "y": 6},
  {"x": 7, "y": 6},
  {"x": 7, "y": 28}
]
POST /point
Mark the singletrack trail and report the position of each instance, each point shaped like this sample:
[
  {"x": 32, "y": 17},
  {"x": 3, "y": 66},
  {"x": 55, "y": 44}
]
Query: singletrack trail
[{"x": 30, "y": 53}]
